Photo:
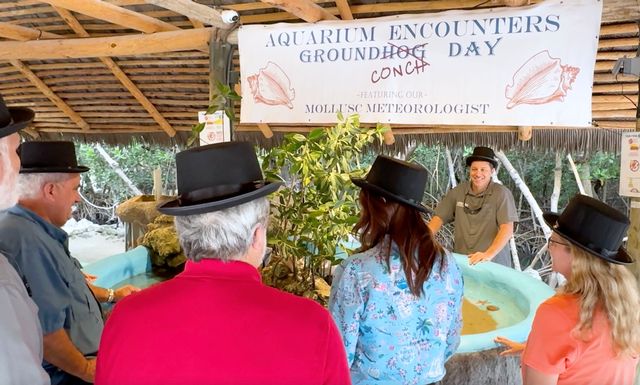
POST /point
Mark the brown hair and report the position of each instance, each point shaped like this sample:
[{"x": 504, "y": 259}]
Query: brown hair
[{"x": 405, "y": 226}]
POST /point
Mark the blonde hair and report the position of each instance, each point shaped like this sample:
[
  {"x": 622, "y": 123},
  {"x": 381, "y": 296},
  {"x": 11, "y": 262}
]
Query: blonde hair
[{"x": 608, "y": 286}]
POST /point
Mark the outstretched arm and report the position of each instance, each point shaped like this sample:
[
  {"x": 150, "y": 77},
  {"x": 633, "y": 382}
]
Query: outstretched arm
[{"x": 505, "y": 232}]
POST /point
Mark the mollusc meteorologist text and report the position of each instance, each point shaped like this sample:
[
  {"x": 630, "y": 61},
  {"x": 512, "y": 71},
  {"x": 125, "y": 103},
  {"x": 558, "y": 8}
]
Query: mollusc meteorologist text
[
  {"x": 397, "y": 108},
  {"x": 489, "y": 32}
]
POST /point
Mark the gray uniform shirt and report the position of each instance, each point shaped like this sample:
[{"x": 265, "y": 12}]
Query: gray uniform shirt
[
  {"x": 20, "y": 332},
  {"x": 38, "y": 250},
  {"x": 477, "y": 227}
]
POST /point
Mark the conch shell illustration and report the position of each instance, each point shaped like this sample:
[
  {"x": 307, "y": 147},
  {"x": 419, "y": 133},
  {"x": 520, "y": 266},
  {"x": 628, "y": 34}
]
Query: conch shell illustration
[
  {"x": 540, "y": 80},
  {"x": 271, "y": 86}
]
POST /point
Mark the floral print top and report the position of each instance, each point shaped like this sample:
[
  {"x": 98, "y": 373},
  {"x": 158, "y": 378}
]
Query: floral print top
[{"x": 390, "y": 335}]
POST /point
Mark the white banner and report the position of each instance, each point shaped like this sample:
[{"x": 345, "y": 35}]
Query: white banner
[
  {"x": 630, "y": 165},
  {"x": 528, "y": 66}
]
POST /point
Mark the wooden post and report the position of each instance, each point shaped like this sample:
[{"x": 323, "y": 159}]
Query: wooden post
[{"x": 219, "y": 69}]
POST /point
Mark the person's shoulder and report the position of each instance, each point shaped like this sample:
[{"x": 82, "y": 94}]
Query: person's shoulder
[
  {"x": 296, "y": 304},
  {"x": 559, "y": 306}
]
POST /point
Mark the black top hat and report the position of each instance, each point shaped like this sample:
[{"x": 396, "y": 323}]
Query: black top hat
[
  {"x": 216, "y": 177},
  {"x": 392, "y": 178},
  {"x": 49, "y": 157},
  {"x": 484, "y": 154},
  {"x": 13, "y": 119},
  {"x": 594, "y": 227}
]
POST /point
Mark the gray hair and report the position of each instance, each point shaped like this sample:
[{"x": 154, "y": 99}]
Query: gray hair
[
  {"x": 8, "y": 194},
  {"x": 225, "y": 234},
  {"x": 30, "y": 185}
]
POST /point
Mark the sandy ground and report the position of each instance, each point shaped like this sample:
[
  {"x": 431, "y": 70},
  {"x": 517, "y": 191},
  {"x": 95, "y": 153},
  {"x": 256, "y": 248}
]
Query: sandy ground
[{"x": 89, "y": 242}]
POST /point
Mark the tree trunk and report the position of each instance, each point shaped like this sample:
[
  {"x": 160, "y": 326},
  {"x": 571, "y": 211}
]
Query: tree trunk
[
  {"x": 557, "y": 183},
  {"x": 117, "y": 169},
  {"x": 452, "y": 171},
  {"x": 512, "y": 243},
  {"x": 585, "y": 172},
  {"x": 525, "y": 192},
  {"x": 575, "y": 174}
]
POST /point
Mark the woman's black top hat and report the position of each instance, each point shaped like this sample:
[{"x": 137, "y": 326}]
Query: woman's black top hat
[
  {"x": 484, "y": 154},
  {"x": 216, "y": 177},
  {"x": 13, "y": 119},
  {"x": 593, "y": 226},
  {"x": 49, "y": 157},
  {"x": 398, "y": 180}
]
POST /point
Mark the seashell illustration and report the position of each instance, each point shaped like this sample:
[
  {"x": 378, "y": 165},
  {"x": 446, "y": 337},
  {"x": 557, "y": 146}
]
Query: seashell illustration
[
  {"x": 540, "y": 80},
  {"x": 271, "y": 86}
]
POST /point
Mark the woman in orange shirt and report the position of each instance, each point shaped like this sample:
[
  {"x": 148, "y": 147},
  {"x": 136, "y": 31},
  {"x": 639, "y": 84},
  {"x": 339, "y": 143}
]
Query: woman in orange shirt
[{"x": 588, "y": 333}]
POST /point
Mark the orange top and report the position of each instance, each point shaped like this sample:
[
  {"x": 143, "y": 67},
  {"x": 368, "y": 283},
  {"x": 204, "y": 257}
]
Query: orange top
[{"x": 551, "y": 348}]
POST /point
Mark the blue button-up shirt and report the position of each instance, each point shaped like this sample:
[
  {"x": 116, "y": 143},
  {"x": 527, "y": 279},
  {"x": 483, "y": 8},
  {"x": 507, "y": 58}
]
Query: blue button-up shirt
[
  {"x": 38, "y": 251},
  {"x": 391, "y": 336}
]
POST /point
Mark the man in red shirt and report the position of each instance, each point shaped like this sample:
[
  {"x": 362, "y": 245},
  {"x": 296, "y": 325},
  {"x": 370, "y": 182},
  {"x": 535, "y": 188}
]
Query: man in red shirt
[{"x": 216, "y": 323}]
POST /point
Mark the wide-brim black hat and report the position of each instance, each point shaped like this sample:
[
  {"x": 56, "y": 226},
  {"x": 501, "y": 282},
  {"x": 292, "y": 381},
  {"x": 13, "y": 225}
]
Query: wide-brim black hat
[
  {"x": 398, "y": 180},
  {"x": 484, "y": 154},
  {"x": 216, "y": 177},
  {"x": 49, "y": 157},
  {"x": 13, "y": 119},
  {"x": 594, "y": 227}
]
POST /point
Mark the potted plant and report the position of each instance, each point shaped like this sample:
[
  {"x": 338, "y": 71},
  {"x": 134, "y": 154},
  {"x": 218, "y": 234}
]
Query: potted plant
[{"x": 314, "y": 213}]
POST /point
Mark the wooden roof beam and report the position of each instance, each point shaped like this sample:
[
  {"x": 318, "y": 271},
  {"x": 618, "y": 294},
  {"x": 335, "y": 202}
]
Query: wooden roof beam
[
  {"x": 193, "y": 10},
  {"x": 120, "y": 75},
  {"x": 344, "y": 9},
  {"x": 307, "y": 10},
  {"x": 102, "y": 10},
  {"x": 128, "y": 45},
  {"x": 18, "y": 32},
  {"x": 36, "y": 81}
]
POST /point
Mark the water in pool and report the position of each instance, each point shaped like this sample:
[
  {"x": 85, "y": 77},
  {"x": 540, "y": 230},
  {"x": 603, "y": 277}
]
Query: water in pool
[
  {"x": 489, "y": 307},
  {"x": 142, "y": 281}
]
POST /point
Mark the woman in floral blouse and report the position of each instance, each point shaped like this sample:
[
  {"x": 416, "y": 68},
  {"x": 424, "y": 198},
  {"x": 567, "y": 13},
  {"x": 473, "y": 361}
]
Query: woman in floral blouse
[{"x": 398, "y": 302}]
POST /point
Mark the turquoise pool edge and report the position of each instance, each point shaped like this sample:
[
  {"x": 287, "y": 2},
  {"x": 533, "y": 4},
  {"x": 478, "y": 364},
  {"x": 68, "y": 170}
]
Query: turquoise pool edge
[{"x": 119, "y": 267}]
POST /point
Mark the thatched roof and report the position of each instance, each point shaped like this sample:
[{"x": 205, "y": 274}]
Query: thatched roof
[{"x": 131, "y": 86}]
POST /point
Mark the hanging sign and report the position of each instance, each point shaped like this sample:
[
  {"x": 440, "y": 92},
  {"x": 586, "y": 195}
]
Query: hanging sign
[
  {"x": 630, "y": 165},
  {"x": 526, "y": 66},
  {"x": 216, "y": 127}
]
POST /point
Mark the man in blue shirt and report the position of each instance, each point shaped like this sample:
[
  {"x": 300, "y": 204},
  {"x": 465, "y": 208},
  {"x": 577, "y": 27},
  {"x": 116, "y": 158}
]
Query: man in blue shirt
[
  {"x": 34, "y": 243},
  {"x": 20, "y": 332}
]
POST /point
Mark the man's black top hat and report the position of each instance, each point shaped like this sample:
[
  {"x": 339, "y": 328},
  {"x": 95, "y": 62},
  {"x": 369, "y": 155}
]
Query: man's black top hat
[
  {"x": 216, "y": 177},
  {"x": 398, "y": 180},
  {"x": 484, "y": 154},
  {"x": 593, "y": 226},
  {"x": 13, "y": 119},
  {"x": 49, "y": 157}
]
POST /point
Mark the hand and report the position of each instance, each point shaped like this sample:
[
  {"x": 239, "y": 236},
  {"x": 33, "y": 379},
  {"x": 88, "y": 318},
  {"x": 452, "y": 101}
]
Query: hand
[
  {"x": 89, "y": 373},
  {"x": 90, "y": 278},
  {"x": 514, "y": 347},
  {"x": 125, "y": 291},
  {"x": 478, "y": 257}
]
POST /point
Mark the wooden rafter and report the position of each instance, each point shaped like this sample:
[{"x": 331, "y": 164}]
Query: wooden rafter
[
  {"x": 344, "y": 9},
  {"x": 160, "y": 42},
  {"x": 193, "y": 10},
  {"x": 307, "y": 10},
  {"x": 114, "y": 14},
  {"x": 120, "y": 75},
  {"x": 55, "y": 99},
  {"x": 18, "y": 32}
]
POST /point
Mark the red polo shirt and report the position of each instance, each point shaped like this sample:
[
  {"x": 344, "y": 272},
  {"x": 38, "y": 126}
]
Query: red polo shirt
[{"x": 216, "y": 323}]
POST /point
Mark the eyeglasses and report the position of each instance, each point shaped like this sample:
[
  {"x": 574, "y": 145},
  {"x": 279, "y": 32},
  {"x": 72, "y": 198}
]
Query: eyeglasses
[
  {"x": 469, "y": 210},
  {"x": 550, "y": 241}
]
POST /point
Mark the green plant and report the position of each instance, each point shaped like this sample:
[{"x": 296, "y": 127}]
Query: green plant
[
  {"x": 222, "y": 99},
  {"x": 314, "y": 213}
]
